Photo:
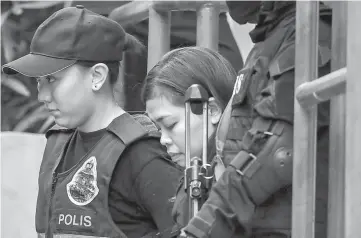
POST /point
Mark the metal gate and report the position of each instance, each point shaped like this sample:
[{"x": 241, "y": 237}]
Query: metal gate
[{"x": 343, "y": 88}]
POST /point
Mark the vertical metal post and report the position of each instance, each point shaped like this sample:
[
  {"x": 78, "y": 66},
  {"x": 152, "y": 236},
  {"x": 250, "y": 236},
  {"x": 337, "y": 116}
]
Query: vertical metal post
[
  {"x": 208, "y": 25},
  {"x": 119, "y": 89},
  {"x": 1, "y": 183},
  {"x": 305, "y": 124},
  {"x": 158, "y": 37},
  {"x": 205, "y": 134},
  {"x": 353, "y": 124},
  {"x": 336, "y": 195}
]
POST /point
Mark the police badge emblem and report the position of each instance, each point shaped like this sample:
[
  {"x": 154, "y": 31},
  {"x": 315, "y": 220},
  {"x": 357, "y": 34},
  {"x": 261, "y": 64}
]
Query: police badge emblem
[{"x": 82, "y": 189}]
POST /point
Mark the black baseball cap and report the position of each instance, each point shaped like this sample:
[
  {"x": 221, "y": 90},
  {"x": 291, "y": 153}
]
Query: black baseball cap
[{"x": 69, "y": 35}]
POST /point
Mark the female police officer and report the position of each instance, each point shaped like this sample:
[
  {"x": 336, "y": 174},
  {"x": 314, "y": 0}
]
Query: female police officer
[{"x": 104, "y": 173}]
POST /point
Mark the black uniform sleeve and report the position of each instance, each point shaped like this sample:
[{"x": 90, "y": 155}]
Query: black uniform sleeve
[
  {"x": 155, "y": 185},
  {"x": 142, "y": 187}
]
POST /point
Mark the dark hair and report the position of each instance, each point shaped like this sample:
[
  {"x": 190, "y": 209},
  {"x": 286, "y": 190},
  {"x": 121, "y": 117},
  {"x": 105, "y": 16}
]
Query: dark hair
[
  {"x": 180, "y": 68},
  {"x": 132, "y": 44}
]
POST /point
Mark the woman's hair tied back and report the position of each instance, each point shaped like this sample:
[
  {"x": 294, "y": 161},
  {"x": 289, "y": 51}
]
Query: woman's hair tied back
[{"x": 132, "y": 44}]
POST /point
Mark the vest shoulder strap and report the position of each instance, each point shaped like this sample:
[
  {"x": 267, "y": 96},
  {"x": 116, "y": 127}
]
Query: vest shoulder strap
[
  {"x": 147, "y": 124},
  {"x": 57, "y": 137},
  {"x": 57, "y": 128},
  {"x": 135, "y": 127}
]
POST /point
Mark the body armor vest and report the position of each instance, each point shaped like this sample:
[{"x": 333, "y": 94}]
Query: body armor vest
[{"x": 75, "y": 203}]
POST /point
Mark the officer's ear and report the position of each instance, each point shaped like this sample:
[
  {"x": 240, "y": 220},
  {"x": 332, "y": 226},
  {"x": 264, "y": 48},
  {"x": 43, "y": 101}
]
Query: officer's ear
[
  {"x": 99, "y": 73},
  {"x": 214, "y": 110}
]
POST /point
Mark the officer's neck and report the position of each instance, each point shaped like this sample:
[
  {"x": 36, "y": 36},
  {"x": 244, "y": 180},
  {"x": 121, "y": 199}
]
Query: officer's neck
[{"x": 104, "y": 113}]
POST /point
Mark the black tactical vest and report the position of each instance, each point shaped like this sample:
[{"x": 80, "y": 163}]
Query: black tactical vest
[{"x": 75, "y": 203}]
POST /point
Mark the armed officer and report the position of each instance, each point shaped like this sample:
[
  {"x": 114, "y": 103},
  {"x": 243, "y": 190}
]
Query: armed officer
[{"x": 253, "y": 195}]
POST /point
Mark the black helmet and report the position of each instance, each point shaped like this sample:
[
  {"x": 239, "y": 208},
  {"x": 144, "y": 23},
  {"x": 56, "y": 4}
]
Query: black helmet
[
  {"x": 244, "y": 11},
  {"x": 257, "y": 11}
]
